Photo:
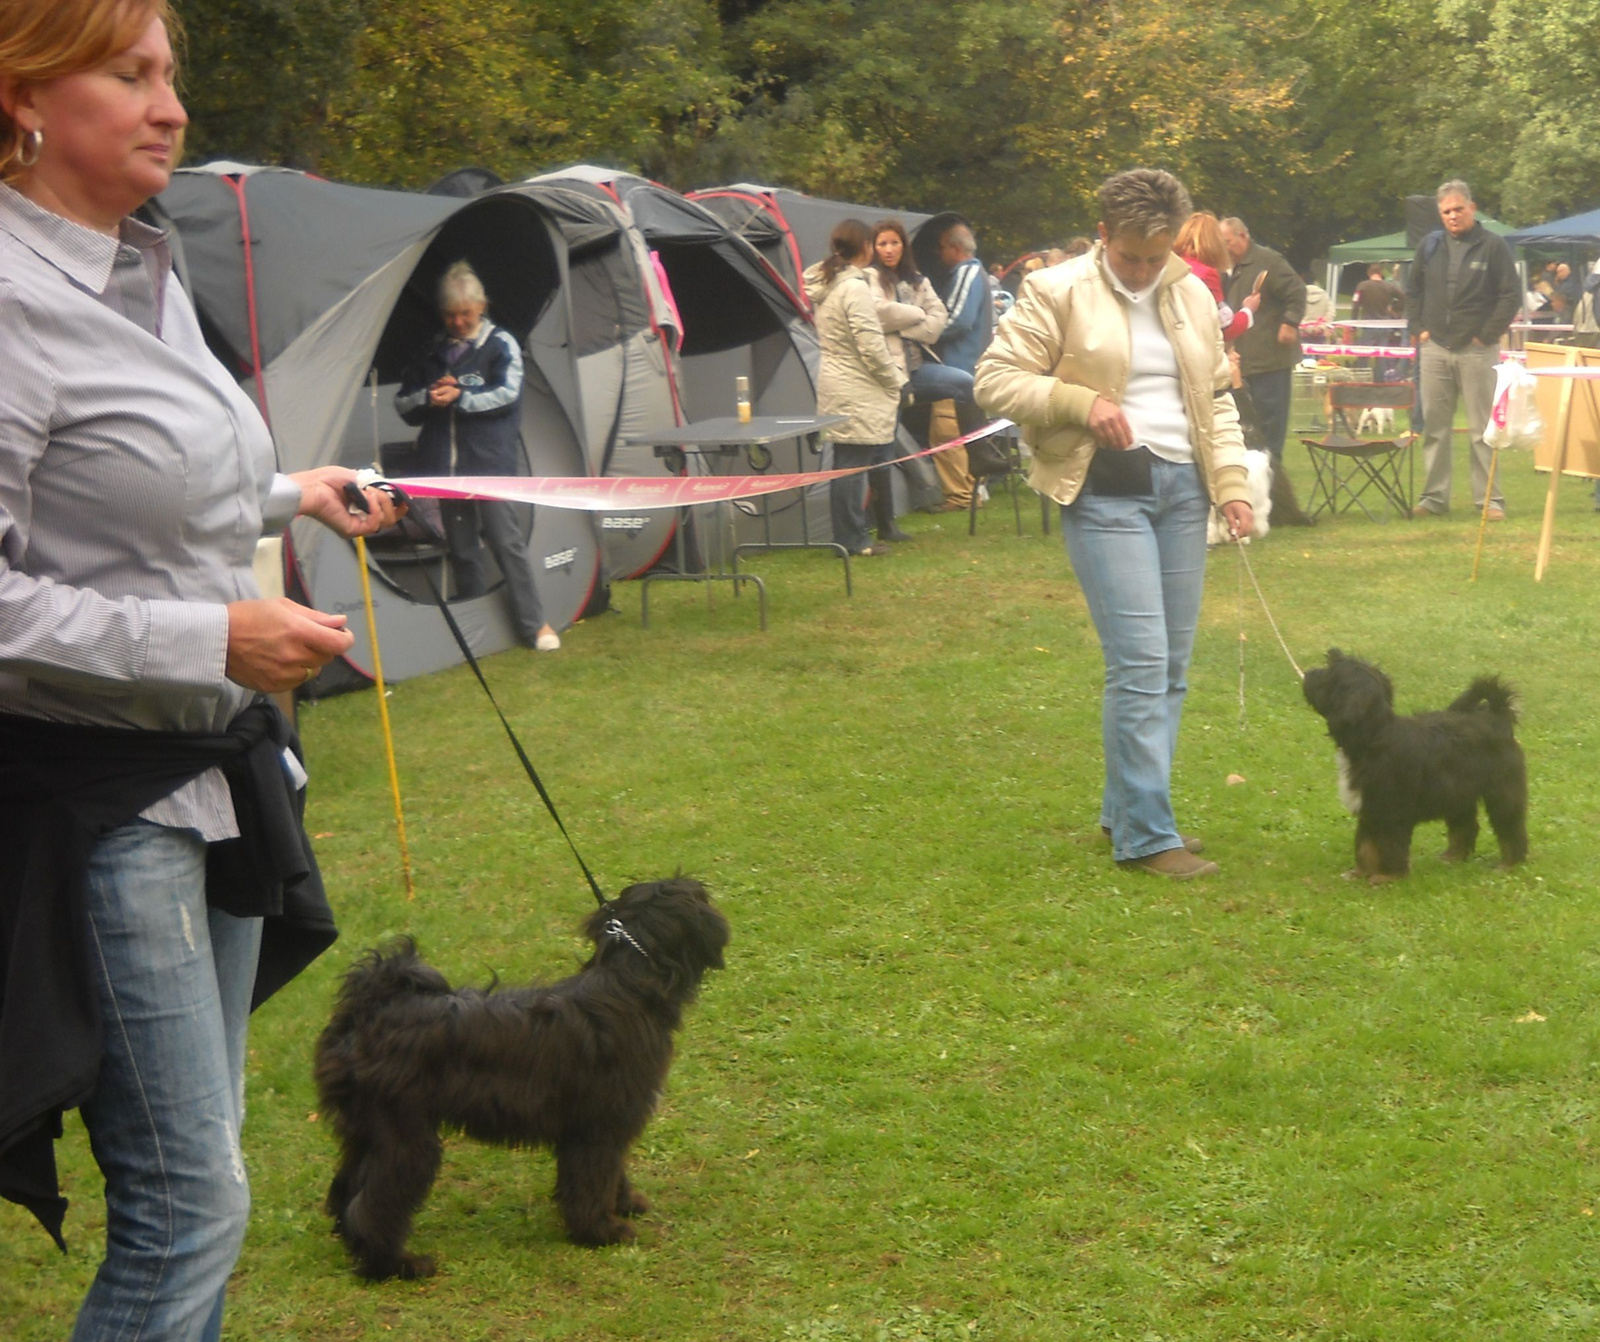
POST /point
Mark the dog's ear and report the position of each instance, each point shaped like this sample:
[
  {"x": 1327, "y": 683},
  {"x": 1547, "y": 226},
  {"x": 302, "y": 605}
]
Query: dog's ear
[{"x": 1357, "y": 701}]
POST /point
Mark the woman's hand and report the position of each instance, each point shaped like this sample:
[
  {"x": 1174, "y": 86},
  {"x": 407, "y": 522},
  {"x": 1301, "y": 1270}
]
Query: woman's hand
[
  {"x": 1109, "y": 425},
  {"x": 446, "y": 391},
  {"x": 1241, "y": 518},
  {"x": 322, "y": 498},
  {"x": 1252, "y": 302},
  {"x": 276, "y": 644}
]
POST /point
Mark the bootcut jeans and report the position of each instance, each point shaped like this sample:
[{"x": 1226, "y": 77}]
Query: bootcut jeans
[
  {"x": 1141, "y": 563},
  {"x": 174, "y": 981}
]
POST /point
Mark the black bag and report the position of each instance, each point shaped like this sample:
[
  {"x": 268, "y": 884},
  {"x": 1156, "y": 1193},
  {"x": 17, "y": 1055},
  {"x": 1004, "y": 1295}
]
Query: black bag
[
  {"x": 988, "y": 456},
  {"x": 1115, "y": 474}
]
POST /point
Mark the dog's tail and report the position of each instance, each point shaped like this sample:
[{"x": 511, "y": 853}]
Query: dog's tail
[
  {"x": 1491, "y": 693},
  {"x": 383, "y": 975},
  {"x": 380, "y": 977}
]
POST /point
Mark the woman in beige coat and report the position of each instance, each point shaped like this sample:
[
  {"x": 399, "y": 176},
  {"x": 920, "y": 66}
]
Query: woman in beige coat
[
  {"x": 858, "y": 377},
  {"x": 1113, "y": 364}
]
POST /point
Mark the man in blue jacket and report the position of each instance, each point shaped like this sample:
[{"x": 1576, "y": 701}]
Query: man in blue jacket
[
  {"x": 1461, "y": 295},
  {"x": 464, "y": 390},
  {"x": 966, "y": 336}
]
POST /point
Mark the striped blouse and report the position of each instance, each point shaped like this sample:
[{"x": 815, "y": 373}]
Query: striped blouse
[{"x": 135, "y": 480}]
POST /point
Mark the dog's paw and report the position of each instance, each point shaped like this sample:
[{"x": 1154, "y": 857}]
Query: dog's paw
[
  {"x": 414, "y": 1266},
  {"x": 613, "y": 1231},
  {"x": 631, "y": 1202}
]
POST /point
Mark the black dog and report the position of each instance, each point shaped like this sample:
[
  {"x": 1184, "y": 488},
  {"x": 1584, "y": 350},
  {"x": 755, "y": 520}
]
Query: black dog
[
  {"x": 576, "y": 1066},
  {"x": 1395, "y": 772}
]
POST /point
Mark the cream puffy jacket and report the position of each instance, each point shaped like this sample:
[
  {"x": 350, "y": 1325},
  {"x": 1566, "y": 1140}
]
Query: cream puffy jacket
[
  {"x": 912, "y": 312},
  {"x": 858, "y": 376},
  {"x": 1066, "y": 342}
]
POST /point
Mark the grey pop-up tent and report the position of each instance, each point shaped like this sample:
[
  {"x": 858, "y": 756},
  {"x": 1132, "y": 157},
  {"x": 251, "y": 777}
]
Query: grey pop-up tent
[
  {"x": 319, "y": 294},
  {"x": 790, "y": 230},
  {"x": 734, "y": 316}
]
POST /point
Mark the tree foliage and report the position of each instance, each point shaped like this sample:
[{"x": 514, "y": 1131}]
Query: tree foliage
[{"x": 1310, "y": 118}]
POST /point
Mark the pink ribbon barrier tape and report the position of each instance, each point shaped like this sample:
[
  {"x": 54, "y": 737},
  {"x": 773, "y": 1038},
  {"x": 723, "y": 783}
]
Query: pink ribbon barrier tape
[{"x": 630, "y": 493}]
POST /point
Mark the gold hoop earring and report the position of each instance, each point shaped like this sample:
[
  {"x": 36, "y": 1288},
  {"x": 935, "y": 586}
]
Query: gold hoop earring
[{"x": 31, "y": 140}]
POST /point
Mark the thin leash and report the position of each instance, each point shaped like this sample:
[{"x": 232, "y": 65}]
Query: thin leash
[
  {"x": 1244, "y": 568},
  {"x": 357, "y": 503},
  {"x": 527, "y": 764},
  {"x": 612, "y": 926}
]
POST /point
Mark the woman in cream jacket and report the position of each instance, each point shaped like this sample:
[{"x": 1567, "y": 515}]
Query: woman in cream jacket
[
  {"x": 1113, "y": 364},
  {"x": 858, "y": 378}
]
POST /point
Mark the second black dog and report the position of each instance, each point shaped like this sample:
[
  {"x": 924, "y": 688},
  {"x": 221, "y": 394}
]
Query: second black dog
[
  {"x": 576, "y": 1066},
  {"x": 1395, "y": 772}
]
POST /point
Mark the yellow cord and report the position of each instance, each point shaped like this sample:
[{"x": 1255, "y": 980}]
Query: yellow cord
[
  {"x": 383, "y": 714},
  {"x": 1483, "y": 519}
]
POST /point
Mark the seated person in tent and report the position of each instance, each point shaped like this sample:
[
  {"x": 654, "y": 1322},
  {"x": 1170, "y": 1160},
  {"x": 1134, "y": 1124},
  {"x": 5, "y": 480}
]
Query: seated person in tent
[{"x": 464, "y": 390}]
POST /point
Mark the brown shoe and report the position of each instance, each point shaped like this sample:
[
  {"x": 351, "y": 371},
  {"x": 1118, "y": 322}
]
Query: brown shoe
[
  {"x": 1422, "y": 511},
  {"x": 1190, "y": 842},
  {"x": 1496, "y": 514},
  {"x": 1178, "y": 864}
]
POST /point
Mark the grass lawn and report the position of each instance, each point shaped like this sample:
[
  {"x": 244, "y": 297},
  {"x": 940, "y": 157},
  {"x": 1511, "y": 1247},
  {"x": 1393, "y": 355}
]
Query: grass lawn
[{"x": 963, "y": 1078}]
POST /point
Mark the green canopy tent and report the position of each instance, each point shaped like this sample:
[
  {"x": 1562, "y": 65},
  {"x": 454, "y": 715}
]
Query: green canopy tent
[{"x": 1387, "y": 247}]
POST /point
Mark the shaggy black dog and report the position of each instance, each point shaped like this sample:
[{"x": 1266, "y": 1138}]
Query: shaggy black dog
[
  {"x": 576, "y": 1066},
  {"x": 1395, "y": 772}
]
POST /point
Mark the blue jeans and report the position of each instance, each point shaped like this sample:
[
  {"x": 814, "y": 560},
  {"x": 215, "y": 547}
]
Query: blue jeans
[
  {"x": 174, "y": 980},
  {"x": 847, "y": 498},
  {"x": 1272, "y": 393},
  {"x": 940, "y": 382},
  {"x": 1141, "y": 562}
]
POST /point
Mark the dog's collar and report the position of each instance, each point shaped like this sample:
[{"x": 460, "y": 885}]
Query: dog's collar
[{"x": 613, "y": 927}]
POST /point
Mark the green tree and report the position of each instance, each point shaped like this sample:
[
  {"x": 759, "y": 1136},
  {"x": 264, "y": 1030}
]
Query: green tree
[
  {"x": 1014, "y": 110},
  {"x": 258, "y": 75},
  {"x": 519, "y": 86}
]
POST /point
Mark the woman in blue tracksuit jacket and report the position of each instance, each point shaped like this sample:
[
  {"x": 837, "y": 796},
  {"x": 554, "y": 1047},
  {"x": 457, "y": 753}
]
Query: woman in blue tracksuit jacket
[{"x": 464, "y": 390}]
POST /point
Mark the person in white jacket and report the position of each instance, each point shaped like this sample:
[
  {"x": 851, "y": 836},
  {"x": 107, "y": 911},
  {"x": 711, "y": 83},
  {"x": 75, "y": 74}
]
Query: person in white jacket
[{"x": 858, "y": 377}]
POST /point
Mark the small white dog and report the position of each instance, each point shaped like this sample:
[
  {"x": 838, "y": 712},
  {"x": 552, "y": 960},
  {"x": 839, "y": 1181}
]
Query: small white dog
[
  {"x": 1259, "y": 466},
  {"x": 1377, "y": 420}
]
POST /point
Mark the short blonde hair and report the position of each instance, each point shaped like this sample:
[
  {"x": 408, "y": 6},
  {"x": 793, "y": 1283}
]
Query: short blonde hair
[
  {"x": 47, "y": 39},
  {"x": 1143, "y": 201},
  {"x": 1200, "y": 239},
  {"x": 459, "y": 286}
]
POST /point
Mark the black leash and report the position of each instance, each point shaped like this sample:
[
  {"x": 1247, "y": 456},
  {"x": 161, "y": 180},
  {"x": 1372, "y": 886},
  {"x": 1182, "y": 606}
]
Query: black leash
[{"x": 353, "y": 494}]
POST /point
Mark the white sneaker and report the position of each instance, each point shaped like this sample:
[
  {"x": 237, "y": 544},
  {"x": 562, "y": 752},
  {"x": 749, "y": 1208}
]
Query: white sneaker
[{"x": 547, "y": 642}]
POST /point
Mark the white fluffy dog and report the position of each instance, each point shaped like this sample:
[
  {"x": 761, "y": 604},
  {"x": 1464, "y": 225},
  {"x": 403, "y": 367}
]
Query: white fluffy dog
[{"x": 1259, "y": 466}]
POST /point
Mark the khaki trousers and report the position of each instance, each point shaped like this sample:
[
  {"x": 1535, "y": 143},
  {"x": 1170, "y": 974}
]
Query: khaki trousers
[{"x": 951, "y": 464}]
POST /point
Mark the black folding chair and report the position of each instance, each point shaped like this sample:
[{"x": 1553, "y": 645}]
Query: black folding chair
[
  {"x": 1348, "y": 468},
  {"x": 994, "y": 459}
]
